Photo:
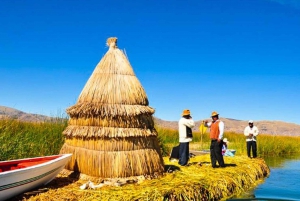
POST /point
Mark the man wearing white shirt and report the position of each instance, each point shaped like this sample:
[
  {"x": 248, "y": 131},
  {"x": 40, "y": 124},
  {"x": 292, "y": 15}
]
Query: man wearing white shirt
[
  {"x": 251, "y": 132},
  {"x": 185, "y": 125},
  {"x": 216, "y": 136}
]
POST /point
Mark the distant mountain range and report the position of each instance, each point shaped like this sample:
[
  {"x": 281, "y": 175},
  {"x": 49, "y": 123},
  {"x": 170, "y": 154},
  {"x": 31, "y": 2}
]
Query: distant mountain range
[
  {"x": 237, "y": 126},
  {"x": 7, "y": 112}
]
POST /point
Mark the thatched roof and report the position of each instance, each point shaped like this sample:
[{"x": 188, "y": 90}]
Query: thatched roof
[
  {"x": 113, "y": 89},
  {"x": 112, "y": 124}
]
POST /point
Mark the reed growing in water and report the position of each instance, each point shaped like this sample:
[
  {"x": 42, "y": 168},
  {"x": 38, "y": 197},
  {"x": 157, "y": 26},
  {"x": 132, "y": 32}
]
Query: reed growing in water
[
  {"x": 272, "y": 145},
  {"x": 30, "y": 139}
]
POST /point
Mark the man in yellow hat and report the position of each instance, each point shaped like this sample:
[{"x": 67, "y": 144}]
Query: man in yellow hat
[
  {"x": 216, "y": 136},
  {"x": 185, "y": 125}
]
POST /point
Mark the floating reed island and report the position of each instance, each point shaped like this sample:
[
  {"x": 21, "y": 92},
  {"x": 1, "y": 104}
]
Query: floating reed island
[
  {"x": 199, "y": 181},
  {"x": 113, "y": 143}
]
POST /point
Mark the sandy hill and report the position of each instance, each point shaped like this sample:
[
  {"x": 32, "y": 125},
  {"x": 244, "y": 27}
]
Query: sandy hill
[
  {"x": 265, "y": 127},
  {"x": 237, "y": 126},
  {"x": 7, "y": 112}
]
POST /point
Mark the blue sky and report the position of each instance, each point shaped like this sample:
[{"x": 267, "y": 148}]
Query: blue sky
[{"x": 239, "y": 58}]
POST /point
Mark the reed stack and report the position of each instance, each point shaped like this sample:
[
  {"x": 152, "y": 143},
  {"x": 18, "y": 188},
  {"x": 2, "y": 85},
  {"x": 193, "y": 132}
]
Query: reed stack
[{"x": 111, "y": 130}]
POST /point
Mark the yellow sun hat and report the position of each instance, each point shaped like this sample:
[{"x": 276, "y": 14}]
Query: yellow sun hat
[
  {"x": 214, "y": 113},
  {"x": 186, "y": 112}
]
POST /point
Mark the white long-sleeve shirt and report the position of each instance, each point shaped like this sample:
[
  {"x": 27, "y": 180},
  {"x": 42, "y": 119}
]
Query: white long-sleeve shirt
[
  {"x": 183, "y": 122},
  {"x": 254, "y": 131},
  {"x": 221, "y": 128}
]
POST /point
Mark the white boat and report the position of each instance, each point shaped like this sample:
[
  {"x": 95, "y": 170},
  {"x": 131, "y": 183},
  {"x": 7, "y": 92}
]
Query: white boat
[{"x": 18, "y": 176}]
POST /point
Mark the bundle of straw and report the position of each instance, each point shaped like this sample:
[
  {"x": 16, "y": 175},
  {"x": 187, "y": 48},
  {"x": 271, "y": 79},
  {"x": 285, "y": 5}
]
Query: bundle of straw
[{"x": 111, "y": 131}]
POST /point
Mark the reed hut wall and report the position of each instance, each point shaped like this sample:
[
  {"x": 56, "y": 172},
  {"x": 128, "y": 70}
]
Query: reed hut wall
[{"x": 111, "y": 130}]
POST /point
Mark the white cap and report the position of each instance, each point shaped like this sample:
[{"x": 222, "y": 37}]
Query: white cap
[
  {"x": 251, "y": 121},
  {"x": 225, "y": 140}
]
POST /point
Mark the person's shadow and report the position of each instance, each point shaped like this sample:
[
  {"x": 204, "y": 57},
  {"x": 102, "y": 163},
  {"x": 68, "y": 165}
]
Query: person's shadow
[
  {"x": 230, "y": 165},
  {"x": 171, "y": 168}
]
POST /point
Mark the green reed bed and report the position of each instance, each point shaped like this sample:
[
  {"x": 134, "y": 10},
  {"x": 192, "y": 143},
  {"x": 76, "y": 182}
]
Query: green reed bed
[
  {"x": 169, "y": 139},
  {"x": 266, "y": 144},
  {"x": 272, "y": 145},
  {"x": 26, "y": 139},
  {"x": 278, "y": 145},
  {"x": 166, "y": 138}
]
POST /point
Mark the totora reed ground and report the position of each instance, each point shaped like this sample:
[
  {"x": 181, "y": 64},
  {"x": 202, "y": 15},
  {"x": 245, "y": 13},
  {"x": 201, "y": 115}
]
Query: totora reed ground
[{"x": 198, "y": 181}]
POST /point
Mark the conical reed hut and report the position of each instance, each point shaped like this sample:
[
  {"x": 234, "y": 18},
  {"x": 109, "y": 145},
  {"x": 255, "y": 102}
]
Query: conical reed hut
[{"x": 111, "y": 130}]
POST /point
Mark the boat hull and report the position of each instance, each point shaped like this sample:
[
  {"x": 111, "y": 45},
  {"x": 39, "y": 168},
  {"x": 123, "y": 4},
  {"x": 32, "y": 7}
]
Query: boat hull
[{"x": 17, "y": 181}]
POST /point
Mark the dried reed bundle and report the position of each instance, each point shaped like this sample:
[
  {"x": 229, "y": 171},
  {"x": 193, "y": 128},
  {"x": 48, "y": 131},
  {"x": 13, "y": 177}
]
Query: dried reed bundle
[
  {"x": 118, "y": 83},
  {"x": 107, "y": 110},
  {"x": 111, "y": 131},
  {"x": 114, "y": 164},
  {"x": 114, "y": 144},
  {"x": 194, "y": 182},
  {"x": 140, "y": 121}
]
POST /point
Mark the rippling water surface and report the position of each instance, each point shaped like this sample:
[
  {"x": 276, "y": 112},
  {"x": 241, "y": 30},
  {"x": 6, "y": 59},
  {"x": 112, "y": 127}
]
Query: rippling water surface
[{"x": 282, "y": 184}]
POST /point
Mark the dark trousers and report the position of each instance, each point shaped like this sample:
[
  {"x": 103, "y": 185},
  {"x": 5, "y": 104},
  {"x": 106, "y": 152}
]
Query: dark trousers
[
  {"x": 252, "y": 145},
  {"x": 216, "y": 153},
  {"x": 183, "y": 153}
]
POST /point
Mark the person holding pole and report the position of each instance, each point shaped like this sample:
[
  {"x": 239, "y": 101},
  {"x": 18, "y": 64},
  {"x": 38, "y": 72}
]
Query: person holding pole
[{"x": 216, "y": 135}]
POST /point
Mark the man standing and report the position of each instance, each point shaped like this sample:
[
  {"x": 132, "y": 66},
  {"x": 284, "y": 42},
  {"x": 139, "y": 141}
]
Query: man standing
[
  {"x": 185, "y": 125},
  {"x": 216, "y": 135},
  {"x": 251, "y": 132}
]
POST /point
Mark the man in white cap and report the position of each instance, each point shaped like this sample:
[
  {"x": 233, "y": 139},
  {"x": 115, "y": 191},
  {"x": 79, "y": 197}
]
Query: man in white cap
[
  {"x": 216, "y": 135},
  {"x": 251, "y": 132}
]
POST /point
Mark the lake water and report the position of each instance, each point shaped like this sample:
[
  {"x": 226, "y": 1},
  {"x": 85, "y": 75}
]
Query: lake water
[{"x": 282, "y": 184}]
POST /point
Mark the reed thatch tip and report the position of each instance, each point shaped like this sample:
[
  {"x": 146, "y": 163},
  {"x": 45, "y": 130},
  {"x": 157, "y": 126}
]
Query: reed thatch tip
[{"x": 112, "y": 42}]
